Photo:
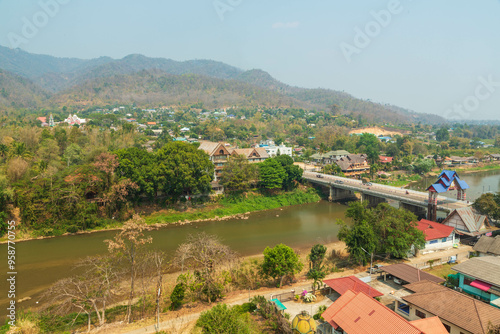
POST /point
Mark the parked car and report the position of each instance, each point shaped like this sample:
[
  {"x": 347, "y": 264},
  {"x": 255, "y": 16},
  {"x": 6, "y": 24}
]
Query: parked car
[
  {"x": 398, "y": 281},
  {"x": 369, "y": 184},
  {"x": 339, "y": 181}
]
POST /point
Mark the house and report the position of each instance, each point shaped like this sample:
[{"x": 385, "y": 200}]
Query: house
[
  {"x": 495, "y": 157},
  {"x": 356, "y": 312},
  {"x": 385, "y": 160},
  {"x": 253, "y": 155},
  {"x": 281, "y": 149},
  {"x": 458, "y": 313},
  {"x": 406, "y": 273},
  {"x": 353, "y": 164},
  {"x": 437, "y": 236},
  {"x": 218, "y": 154},
  {"x": 466, "y": 221},
  {"x": 351, "y": 283},
  {"x": 488, "y": 246},
  {"x": 480, "y": 276}
]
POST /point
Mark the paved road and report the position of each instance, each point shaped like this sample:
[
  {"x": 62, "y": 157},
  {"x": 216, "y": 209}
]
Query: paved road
[{"x": 404, "y": 195}]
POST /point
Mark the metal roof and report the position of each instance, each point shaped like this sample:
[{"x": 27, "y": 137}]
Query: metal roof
[
  {"x": 344, "y": 284},
  {"x": 485, "y": 268},
  {"x": 410, "y": 274}
]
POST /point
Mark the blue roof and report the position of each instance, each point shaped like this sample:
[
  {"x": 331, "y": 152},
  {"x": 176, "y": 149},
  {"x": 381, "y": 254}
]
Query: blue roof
[
  {"x": 451, "y": 176},
  {"x": 279, "y": 304},
  {"x": 439, "y": 188}
]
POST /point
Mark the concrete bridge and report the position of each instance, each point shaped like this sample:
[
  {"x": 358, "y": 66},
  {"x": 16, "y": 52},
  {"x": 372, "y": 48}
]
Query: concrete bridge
[{"x": 414, "y": 201}]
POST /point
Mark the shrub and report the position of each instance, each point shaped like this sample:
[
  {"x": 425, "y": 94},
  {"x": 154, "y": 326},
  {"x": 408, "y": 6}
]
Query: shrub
[
  {"x": 177, "y": 296},
  {"x": 223, "y": 319},
  {"x": 309, "y": 297}
]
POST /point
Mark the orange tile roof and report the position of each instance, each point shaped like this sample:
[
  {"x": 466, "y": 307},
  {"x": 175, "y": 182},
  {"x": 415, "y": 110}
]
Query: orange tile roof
[
  {"x": 358, "y": 313},
  {"x": 433, "y": 230},
  {"x": 430, "y": 325},
  {"x": 343, "y": 284}
]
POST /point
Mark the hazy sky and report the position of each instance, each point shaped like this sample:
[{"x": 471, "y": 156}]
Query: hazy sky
[{"x": 440, "y": 57}]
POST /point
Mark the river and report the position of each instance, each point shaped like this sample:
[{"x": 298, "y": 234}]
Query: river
[
  {"x": 479, "y": 183},
  {"x": 39, "y": 263}
]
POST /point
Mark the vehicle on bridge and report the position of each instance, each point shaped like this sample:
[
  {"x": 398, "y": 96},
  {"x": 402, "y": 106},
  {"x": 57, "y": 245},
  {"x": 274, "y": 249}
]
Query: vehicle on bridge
[{"x": 319, "y": 175}]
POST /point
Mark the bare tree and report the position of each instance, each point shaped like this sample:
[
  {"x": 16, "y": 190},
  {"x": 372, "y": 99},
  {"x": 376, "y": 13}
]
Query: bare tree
[
  {"x": 206, "y": 254},
  {"x": 88, "y": 292},
  {"x": 127, "y": 245}
]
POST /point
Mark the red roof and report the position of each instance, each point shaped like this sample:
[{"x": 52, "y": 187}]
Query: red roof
[
  {"x": 42, "y": 119},
  {"x": 359, "y": 313},
  {"x": 433, "y": 230},
  {"x": 384, "y": 159},
  {"x": 344, "y": 284}
]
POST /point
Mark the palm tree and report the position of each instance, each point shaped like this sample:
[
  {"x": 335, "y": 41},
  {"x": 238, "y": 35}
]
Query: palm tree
[{"x": 20, "y": 150}]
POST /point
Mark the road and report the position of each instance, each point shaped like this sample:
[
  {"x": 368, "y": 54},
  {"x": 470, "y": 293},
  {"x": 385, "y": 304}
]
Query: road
[{"x": 412, "y": 197}]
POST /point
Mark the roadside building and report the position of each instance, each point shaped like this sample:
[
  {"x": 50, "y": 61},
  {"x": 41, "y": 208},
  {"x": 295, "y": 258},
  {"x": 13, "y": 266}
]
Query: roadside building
[
  {"x": 404, "y": 273},
  {"x": 353, "y": 164},
  {"x": 437, "y": 236},
  {"x": 480, "y": 276},
  {"x": 488, "y": 246},
  {"x": 466, "y": 221},
  {"x": 356, "y": 312},
  {"x": 460, "y": 314}
]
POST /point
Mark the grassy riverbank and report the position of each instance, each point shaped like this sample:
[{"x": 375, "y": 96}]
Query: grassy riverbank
[{"x": 236, "y": 205}]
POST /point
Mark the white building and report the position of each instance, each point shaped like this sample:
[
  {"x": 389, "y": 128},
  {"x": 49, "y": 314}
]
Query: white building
[
  {"x": 273, "y": 151},
  {"x": 73, "y": 119}
]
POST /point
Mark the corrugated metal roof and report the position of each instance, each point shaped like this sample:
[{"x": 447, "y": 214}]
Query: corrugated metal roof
[
  {"x": 359, "y": 313},
  {"x": 344, "y": 284},
  {"x": 488, "y": 245}
]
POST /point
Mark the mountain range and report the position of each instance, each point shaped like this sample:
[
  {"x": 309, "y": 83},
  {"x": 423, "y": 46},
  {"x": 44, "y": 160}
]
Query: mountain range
[{"x": 40, "y": 81}]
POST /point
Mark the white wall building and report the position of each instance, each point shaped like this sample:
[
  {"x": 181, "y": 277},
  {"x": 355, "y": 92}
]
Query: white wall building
[{"x": 282, "y": 149}]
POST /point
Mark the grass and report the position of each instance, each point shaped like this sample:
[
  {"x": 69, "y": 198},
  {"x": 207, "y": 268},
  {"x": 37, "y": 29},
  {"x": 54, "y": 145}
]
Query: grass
[
  {"x": 482, "y": 168},
  {"x": 441, "y": 271},
  {"x": 238, "y": 204},
  {"x": 403, "y": 181}
]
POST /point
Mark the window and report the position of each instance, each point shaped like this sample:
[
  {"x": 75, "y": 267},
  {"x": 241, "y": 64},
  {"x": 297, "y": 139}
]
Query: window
[
  {"x": 420, "y": 314},
  {"x": 402, "y": 307},
  {"x": 467, "y": 281},
  {"x": 444, "y": 239},
  {"x": 448, "y": 328}
]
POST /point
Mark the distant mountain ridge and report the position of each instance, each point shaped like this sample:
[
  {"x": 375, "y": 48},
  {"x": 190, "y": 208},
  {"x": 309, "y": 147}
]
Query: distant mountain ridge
[{"x": 136, "y": 78}]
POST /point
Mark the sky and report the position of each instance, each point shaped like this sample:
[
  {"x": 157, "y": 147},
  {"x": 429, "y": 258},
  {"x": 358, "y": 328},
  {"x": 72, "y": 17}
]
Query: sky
[{"x": 440, "y": 57}]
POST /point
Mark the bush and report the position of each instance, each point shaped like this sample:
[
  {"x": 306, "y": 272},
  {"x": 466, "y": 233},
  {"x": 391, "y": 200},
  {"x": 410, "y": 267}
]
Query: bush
[
  {"x": 223, "y": 319},
  {"x": 177, "y": 296},
  {"x": 309, "y": 297}
]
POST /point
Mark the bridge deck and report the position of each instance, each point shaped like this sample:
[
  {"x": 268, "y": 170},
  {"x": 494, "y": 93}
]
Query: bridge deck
[{"x": 412, "y": 197}]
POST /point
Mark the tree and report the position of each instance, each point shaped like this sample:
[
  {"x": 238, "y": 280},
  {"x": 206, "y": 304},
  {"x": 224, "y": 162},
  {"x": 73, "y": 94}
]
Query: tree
[
  {"x": 293, "y": 172},
  {"x": 316, "y": 269},
  {"x": 16, "y": 168},
  {"x": 423, "y": 166},
  {"x": 442, "y": 134},
  {"x": 493, "y": 329},
  {"x": 72, "y": 154},
  {"x": 238, "y": 173},
  {"x": 48, "y": 151},
  {"x": 393, "y": 231},
  {"x": 358, "y": 239},
  {"x": 488, "y": 204},
  {"x": 177, "y": 296},
  {"x": 205, "y": 254},
  {"x": 279, "y": 262},
  {"x": 497, "y": 141},
  {"x": 107, "y": 163},
  {"x": 184, "y": 170},
  {"x": 272, "y": 174},
  {"x": 127, "y": 245},
  {"x": 88, "y": 292}
]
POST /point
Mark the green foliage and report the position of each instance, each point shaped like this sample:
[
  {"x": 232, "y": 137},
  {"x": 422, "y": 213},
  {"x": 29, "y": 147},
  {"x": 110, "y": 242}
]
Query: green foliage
[
  {"x": 442, "y": 135},
  {"x": 238, "y": 173},
  {"x": 279, "y": 262},
  {"x": 177, "y": 296},
  {"x": 383, "y": 229},
  {"x": 222, "y": 319},
  {"x": 317, "y": 315},
  {"x": 422, "y": 166},
  {"x": 272, "y": 174},
  {"x": 185, "y": 170},
  {"x": 488, "y": 204}
]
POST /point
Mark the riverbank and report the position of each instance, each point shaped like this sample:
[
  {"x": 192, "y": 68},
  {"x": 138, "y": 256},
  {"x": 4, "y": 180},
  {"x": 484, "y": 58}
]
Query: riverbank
[
  {"x": 236, "y": 207},
  {"x": 224, "y": 208}
]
